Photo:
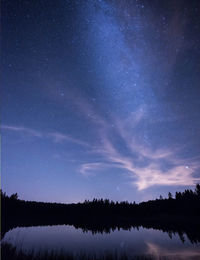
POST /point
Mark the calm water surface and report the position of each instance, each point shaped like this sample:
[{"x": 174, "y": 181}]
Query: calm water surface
[{"x": 70, "y": 240}]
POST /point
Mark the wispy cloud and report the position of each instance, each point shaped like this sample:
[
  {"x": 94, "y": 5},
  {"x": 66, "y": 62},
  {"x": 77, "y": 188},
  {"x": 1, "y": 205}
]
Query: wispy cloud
[
  {"x": 54, "y": 136},
  {"x": 22, "y": 129},
  {"x": 60, "y": 138},
  {"x": 143, "y": 176},
  {"x": 145, "y": 166},
  {"x": 88, "y": 169},
  {"x": 152, "y": 173}
]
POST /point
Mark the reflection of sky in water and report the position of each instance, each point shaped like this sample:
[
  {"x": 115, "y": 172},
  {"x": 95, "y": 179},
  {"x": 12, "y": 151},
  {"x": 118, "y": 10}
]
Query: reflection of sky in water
[{"x": 68, "y": 239}]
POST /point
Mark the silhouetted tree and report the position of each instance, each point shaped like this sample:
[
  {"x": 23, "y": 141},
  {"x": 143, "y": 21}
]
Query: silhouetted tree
[
  {"x": 169, "y": 195},
  {"x": 14, "y": 196},
  {"x": 197, "y": 190}
]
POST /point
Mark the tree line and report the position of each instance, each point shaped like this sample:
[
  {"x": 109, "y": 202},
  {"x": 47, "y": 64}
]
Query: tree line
[{"x": 100, "y": 215}]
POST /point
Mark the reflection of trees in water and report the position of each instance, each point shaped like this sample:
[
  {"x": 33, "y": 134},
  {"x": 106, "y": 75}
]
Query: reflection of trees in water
[
  {"x": 153, "y": 252},
  {"x": 192, "y": 233},
  {"x": 179, "y": 215}
]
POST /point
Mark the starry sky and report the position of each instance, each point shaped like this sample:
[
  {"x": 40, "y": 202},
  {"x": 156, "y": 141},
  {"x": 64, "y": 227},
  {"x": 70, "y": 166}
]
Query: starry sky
[{"x": 100, "y": 98}]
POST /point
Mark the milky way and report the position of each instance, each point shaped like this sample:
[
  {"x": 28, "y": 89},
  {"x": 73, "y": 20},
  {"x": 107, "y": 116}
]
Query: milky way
[{"x": 100, "y": 98}]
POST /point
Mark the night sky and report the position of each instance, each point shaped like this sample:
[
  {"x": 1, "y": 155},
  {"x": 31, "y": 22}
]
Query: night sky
[{"x": 100, "y": 98}]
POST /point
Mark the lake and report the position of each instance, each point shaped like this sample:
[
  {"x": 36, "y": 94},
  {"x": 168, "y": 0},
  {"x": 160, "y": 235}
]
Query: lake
[{"x": 70, "y": 240}]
